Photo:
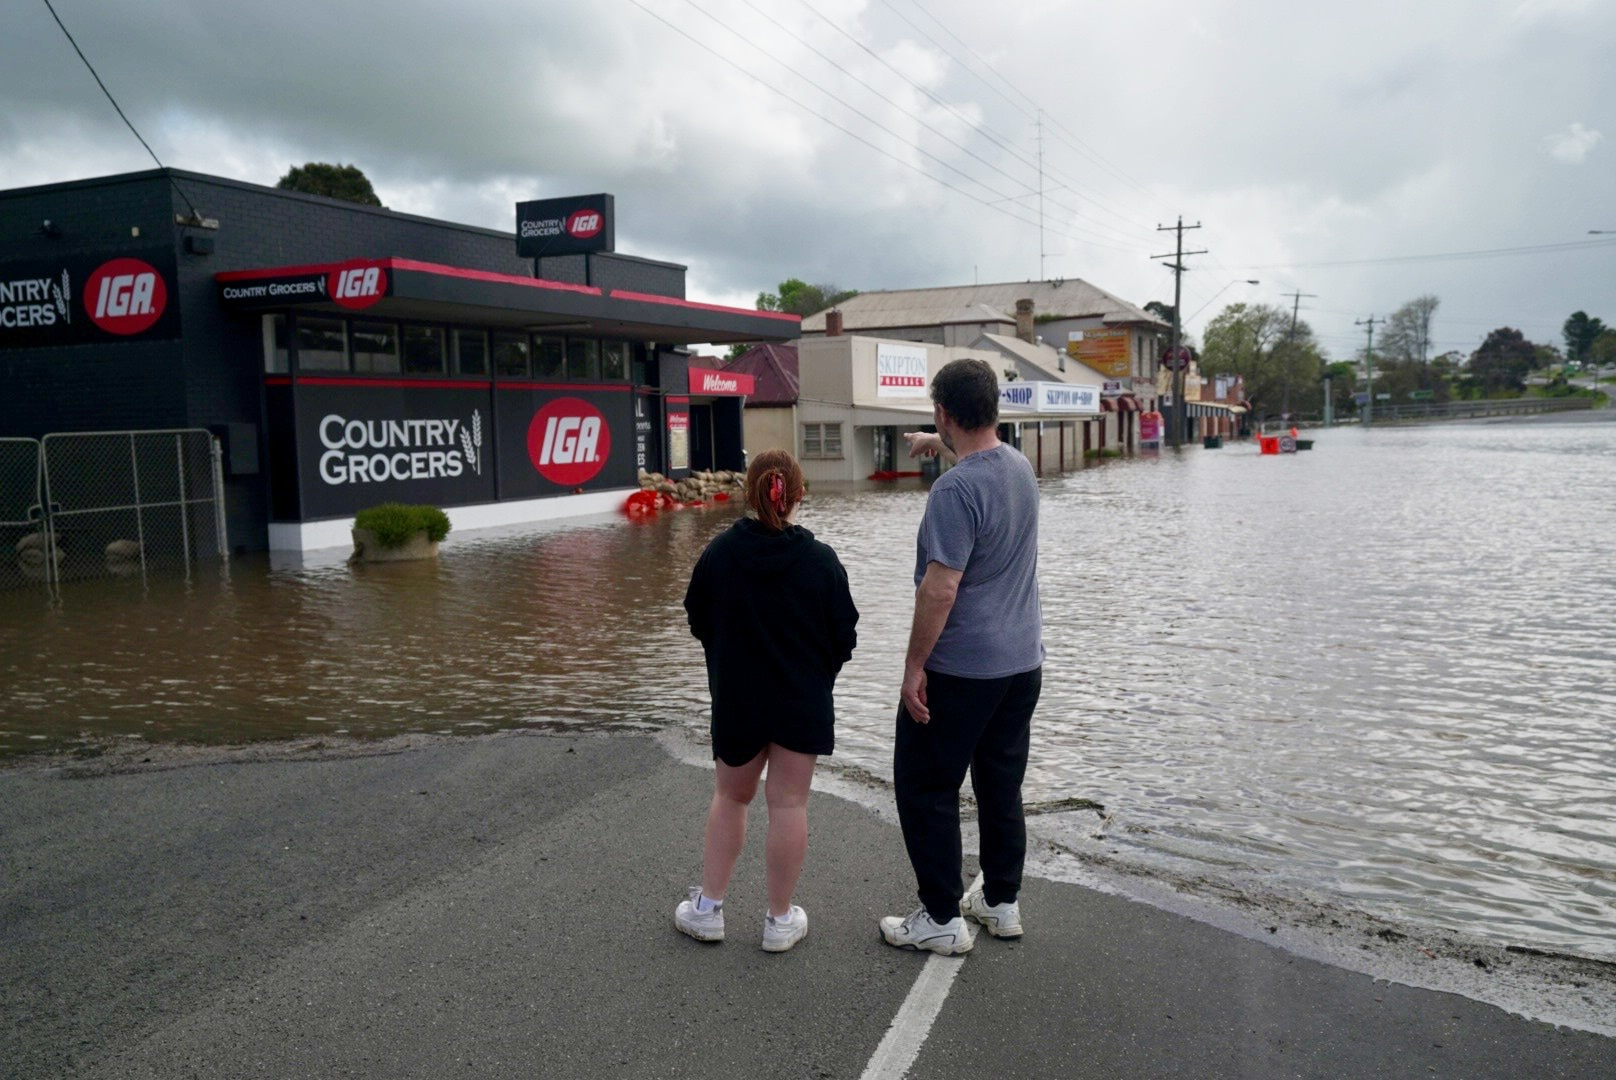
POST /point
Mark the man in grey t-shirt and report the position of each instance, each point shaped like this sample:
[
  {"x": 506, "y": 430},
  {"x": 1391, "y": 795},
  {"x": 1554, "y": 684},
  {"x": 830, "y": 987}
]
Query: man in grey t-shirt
[{"x": 972, "y": 671}]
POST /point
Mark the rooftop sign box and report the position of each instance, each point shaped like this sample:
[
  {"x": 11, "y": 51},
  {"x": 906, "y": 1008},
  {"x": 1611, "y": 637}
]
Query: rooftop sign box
[{"x": 575, "y": 225}]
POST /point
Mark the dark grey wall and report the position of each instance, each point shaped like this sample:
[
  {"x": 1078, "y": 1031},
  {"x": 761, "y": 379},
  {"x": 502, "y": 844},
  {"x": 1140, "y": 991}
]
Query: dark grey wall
[{"x": 613, "y": 271}]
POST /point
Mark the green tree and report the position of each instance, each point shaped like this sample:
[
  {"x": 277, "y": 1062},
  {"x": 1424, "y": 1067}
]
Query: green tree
[
  {"x": 1503, "y": 361},
  {"x": 1580, "y": 333},
  {"x": 1603, "y": 349},
  {"x": 1282, "y": 366},
  {"x": 797, "y": 297},
  {"x": 332, "y": 181}
]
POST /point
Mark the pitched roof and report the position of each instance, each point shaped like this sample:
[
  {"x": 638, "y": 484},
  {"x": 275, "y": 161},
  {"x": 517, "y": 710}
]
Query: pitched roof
[
  {"x": 1064, "y": 299},
  {"x": 775, "y": 369},
  {"x": 1041, "y": 361}
]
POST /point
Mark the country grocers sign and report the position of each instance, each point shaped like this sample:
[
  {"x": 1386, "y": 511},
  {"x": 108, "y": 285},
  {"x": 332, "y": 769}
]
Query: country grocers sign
[
  {"x": 81, "y": 300},
  {"x": 372, "y": 451},
  {"x": 569, "y": 226},
  {"x": 355, "y": 285}
]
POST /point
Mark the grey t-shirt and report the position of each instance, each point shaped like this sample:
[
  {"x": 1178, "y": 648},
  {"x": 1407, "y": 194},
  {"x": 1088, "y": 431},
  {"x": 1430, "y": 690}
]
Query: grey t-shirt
[{"x": 982, "y": 518}]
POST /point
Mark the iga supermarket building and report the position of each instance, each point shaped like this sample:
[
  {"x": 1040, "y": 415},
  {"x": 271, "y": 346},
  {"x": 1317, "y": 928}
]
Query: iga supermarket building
[{"x": 344, "y": 355}]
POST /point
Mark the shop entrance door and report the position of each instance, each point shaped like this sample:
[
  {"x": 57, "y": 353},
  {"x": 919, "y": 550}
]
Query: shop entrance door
[
  {"x": 885, "y": 448},
  {"x": 701, "y": 437}
]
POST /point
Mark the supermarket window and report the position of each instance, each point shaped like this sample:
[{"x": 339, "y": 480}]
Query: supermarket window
[
  {"x": 322, "y": 345},
  {"x": 614, "y": 360},
  {"x": 511, "y": 356},
  {"x": 375, "y": 347},
  {"x": 277, "y": 345},
  {"x": 423, "y": 350},
  {"x": 583, "y": 359},
  {"x": 470, "y": 352},
  {"x": 549, "y": 357}
]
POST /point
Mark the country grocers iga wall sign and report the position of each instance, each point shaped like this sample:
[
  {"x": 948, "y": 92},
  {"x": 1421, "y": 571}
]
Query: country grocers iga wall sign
[
  {"x": 80, "y": 300},
  {"x": 570, "y": 226}
]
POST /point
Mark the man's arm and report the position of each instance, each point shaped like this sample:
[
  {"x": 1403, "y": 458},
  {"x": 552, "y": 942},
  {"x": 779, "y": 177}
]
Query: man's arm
[
  {"x": 923, "y": 444},
  {"x": 933, "y": 601}
]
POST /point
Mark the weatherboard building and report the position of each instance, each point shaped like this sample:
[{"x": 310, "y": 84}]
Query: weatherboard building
[{"x": 342, "y": 356}]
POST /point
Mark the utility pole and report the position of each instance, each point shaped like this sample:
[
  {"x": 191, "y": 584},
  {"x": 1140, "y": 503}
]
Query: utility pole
[
  {"x": 1369, "y": 370},
  {"x": 1290, "y": 352},
  {"x": 1177, "y": 267}
]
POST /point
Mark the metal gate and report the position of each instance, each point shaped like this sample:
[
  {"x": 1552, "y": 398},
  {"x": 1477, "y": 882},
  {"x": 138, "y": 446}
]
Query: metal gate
[
  {"x": 22, "y": 528},
  {"x": 116, "y": 503}
]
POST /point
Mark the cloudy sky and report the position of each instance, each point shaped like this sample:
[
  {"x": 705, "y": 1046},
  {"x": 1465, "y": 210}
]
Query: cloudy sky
[{"x": 1365, "y": 153}]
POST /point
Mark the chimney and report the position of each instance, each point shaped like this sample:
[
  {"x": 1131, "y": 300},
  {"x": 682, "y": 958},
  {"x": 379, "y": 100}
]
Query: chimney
[
  {"x": 833, "y": 323},
  {"x": 1024, "y": 321}
]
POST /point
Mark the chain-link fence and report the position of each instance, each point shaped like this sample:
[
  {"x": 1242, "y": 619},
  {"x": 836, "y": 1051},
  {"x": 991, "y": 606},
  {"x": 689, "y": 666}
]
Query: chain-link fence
[
  {"x": 126, "y": 502},
  {"x": 23, "y": 537}
]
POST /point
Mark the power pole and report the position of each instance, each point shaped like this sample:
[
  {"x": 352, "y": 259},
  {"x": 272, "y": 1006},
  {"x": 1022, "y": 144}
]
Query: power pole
[
  {"x": 1177, "y": 267},
  {"x": 1290, "y": 339},
  {"x": 1369, "y": 370}
]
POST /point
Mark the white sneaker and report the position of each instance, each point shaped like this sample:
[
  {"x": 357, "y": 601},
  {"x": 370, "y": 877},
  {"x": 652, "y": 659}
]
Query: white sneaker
[
  {"x": 702, "y": 927},
  {"x": 780, "y": 934},
  {"x": 920, "y": 931},
  {"x": 1000, "y": 920}
]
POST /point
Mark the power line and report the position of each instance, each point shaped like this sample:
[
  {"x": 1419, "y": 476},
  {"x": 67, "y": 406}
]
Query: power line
[{"x": 1488, "y": 253}]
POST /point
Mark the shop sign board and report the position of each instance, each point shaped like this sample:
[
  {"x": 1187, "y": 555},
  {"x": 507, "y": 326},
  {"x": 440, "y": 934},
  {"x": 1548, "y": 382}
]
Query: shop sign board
[
  {"x": 89, "y": 299},
  {"x": 1105, "y": 350},
  {"x": 1111, "y": 388},
  {"x": 647, "y": 453},
  {"x": 553, "y": 440},
  {"x": 678, "y": 438},
  {"x": 355, "y": 285},
  {"x": 900, "y": 370},
  {"x": 1150, "y": 427},
  {"x": 730, "y": 383},
  {"x": 363, "y": 445},
  {"x": 1054, "y": 397},
  {"x": 1018, "y": 397},
  {"x": 573, "y": 225}
]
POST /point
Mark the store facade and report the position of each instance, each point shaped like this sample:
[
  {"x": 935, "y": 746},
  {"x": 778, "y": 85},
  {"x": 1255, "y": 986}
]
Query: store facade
[{"x": 346, "y": 356}]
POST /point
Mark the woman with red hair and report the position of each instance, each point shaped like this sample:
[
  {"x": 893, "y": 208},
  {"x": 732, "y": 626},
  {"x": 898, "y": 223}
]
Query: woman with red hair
[{"x": 772, "y": 610}]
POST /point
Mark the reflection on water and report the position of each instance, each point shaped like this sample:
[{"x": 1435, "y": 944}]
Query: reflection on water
[{"x": 1383, "y": 670}]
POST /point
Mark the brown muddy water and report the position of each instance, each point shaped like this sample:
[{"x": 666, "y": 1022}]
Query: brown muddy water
[{"x": 1382, "y": 672}]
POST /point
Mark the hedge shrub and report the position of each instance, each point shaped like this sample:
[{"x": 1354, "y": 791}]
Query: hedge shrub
[{"x": 394, "y": 523}]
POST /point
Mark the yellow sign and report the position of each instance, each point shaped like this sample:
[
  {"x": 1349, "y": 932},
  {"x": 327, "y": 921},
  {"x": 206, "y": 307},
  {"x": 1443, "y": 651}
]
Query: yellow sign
[{"x": 1106, "y": 351}]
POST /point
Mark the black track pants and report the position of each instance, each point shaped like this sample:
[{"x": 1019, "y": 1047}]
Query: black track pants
[{"x": 984, "y": 725}]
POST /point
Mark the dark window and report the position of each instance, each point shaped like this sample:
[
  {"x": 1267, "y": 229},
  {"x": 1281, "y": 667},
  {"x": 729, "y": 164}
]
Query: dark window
[
  {"x": 510, "y": 356},
  {"x": 322, "y": 345},
  {"x": 583, "y": 359},
  {"x": 423, "y": 350},
  {"x": 470, "y": 352},
  {"x": 549, "y": 358},
  {"x": 614, "y": 360},
  {"x": 375, "y": 347},
  {"x": 277, "y": 345}
]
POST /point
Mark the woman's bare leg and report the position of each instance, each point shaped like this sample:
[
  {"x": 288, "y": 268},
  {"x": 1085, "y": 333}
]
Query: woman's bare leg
[
  {"x": 790, "y": 776},
  {"x": 726, "y": 822}
]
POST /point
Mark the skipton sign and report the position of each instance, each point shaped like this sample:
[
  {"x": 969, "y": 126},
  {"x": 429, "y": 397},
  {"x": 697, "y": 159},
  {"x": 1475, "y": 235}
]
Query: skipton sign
[{"x": 571, "y": 226}]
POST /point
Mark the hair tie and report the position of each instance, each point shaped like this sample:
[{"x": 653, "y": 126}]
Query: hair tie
[{"x": 777, "y": 492}]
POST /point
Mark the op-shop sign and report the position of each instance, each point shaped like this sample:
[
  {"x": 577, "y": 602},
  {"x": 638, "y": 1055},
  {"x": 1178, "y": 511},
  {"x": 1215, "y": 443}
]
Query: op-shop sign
[
  {"x": 1048, "y": 397},
  {"x": 77, "y": 301},
  {"x": 570, "y": 226}
]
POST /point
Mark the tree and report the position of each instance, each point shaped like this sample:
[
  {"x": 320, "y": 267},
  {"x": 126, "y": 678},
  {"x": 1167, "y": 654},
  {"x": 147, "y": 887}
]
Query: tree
[
  {"x": 1162, "y": 311},
  {"x": 1603, "y": 349},
  {"x": 1580, "y": 333},
  {"x": 1282, "y": 367},
  {"x": 797, "y": 297},
  {"x": 1407, "y": 333},
  {"x": 1503, "y": 361},
  {"x": 332, "y": 181}
]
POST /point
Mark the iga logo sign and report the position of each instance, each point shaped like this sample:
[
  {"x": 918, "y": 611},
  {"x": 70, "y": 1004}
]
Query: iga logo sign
[
  {"x": 125, "y": 296},
  {"x": 585, "y": 223},
  {"x": 357, "y": 284},
  {"x": 568, "y": 441}
]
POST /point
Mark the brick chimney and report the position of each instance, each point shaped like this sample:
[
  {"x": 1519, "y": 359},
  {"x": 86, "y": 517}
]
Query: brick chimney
[
  {"x": 1024, "y": 322},
  {"x": 833, "y": 323}
]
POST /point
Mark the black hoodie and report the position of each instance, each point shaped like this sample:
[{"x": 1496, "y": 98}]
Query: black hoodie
[{"x": 775, "y": 618}]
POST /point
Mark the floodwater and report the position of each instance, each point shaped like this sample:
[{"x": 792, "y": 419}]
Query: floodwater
[{"x": 1383, "y": 671}]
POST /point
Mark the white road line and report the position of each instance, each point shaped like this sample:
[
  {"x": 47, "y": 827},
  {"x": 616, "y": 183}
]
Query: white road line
[{"x": 903, "y": 1040}]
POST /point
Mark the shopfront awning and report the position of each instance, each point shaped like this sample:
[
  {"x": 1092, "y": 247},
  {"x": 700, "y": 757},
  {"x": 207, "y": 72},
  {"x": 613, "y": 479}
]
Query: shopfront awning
[{"x": 395, "y": 288}]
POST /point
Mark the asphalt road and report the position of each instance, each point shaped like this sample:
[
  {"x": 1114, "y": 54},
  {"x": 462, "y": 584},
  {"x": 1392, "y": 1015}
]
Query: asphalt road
[{"x": 501, "y": 907}]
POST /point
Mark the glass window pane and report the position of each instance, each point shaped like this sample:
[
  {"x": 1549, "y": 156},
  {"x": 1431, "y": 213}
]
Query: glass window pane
[
  {"x": 471, "y": 352},
  {"x": 277, "y": 345},
  {"x": 833, "y": 440},
  {"x": 510, "y": 355},
  {"x": 810, "y": 440},
  {"x": 423, "y": 350},
  {"x": 614, "y": 360},
  {"x": 375, "y": 347},
  {"x": 321, "y": 345},
  {"x": 549, "y": 358},
  {"x": 583, "y": 359}
]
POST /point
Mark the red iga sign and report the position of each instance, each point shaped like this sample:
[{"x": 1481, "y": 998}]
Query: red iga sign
[
  {"x": 125, "y": 296},
  {"x": 357, "y": 285},
  {"x": 708, "y": 381},
  {"x": 568, "y": 441},
  {"x": 583, "y": 224}
]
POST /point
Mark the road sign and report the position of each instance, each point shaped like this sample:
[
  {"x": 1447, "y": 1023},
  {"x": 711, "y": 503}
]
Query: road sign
[
  {"x": 1421, "y": 395},
  {"x": 1176, "y": 359}
]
